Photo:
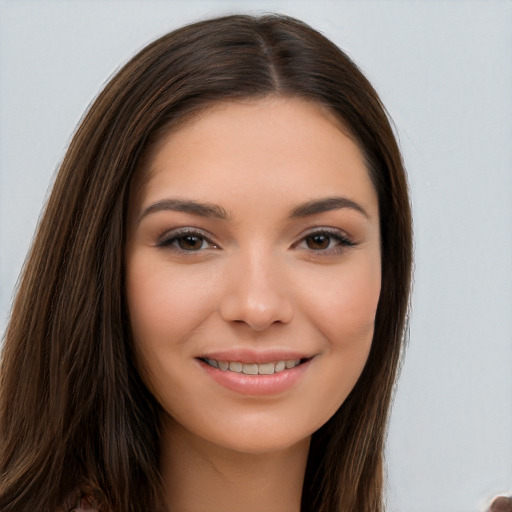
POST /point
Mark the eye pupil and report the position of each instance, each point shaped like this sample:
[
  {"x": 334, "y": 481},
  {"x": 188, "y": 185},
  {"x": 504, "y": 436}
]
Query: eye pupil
[
  {"x": 318, "y": 242},
  {"x": 190, "y": 242}
]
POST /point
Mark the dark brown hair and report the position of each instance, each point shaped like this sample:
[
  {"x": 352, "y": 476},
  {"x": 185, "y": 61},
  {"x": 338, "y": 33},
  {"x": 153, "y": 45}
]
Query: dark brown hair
[{"x": 75, "y": 416}]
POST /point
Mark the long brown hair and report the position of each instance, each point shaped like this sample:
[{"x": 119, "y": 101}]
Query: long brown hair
[{"x": 75, "y": 415}]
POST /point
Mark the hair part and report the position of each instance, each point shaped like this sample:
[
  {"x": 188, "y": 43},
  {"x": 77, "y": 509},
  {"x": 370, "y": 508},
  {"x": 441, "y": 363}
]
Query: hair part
[{"x": 74, "y": 413}]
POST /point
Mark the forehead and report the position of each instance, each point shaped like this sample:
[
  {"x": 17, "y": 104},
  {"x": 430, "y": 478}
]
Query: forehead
[{"x": 256, "y": 147}]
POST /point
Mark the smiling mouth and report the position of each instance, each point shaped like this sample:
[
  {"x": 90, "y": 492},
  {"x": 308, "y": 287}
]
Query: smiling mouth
[{"x": 255, "y": 368}]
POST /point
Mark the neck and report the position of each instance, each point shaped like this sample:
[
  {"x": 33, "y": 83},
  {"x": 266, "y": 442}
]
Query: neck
[{"x": 199, "y": 476}]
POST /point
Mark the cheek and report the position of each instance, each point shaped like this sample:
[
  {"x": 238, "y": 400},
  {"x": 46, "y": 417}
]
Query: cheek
[
  {"x": 345, "y": 316},
  {"x": 166, "y": 308},
  {"x": 345, "y": 304},
  {"x": 165, "y": 305}
]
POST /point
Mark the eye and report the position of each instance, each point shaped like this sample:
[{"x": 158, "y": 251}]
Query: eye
[
  {"x": 319, "y": 241},
  {"x": 186, "y": 241},
  {"x": 325, "y": 241}
]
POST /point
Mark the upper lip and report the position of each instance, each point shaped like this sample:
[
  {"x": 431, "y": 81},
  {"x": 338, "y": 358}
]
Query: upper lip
[{"x": 244, "y": 355}]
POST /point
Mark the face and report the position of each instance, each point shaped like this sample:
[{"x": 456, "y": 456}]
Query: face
[{"x": 253, "y": 273}]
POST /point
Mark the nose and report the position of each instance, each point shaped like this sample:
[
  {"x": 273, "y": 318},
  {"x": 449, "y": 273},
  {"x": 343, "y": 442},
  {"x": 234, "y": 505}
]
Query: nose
[{"x": 255, "y": 293}]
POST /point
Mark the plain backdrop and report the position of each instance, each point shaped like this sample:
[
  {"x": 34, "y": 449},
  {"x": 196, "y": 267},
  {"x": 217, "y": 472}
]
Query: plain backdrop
[{"x": 444, "y": 71}]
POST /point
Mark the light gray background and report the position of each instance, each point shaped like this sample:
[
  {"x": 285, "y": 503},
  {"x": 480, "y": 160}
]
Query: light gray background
[{"x": 444, "y": 70}]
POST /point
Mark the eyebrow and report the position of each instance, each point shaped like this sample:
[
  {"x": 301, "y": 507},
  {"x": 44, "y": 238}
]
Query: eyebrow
[
  {"x": 324, "y": 205},
  {"x": 312, "y": 207},
  {"x": 186, "y": 206}
]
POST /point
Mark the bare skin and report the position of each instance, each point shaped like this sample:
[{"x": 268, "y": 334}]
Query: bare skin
[
  {"x": 253, "y": 245},
  {"x": 217, "y": 480}
]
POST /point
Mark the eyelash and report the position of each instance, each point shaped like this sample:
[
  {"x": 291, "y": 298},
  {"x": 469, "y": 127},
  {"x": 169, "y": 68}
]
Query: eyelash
[
  {"x": 342, "y": 242},
  {"x": 172, "y": 239}
]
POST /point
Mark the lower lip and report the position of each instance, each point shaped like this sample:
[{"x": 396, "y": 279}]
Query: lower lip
[{"x": 257, "y": 385}]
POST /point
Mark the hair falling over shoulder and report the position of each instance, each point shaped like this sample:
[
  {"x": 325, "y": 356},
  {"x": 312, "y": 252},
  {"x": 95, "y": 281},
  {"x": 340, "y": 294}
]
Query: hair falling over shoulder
[{"x": 75, "y": 417}]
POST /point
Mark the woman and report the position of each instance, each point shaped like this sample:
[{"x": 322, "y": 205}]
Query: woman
[{"x": 212, "y": 313}]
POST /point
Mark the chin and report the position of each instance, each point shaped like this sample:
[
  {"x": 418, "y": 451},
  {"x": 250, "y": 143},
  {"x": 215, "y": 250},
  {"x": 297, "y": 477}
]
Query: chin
[{"x": 264, "y": 444}]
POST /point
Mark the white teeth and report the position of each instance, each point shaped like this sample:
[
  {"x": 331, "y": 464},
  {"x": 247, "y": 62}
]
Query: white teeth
[
  {"x": 280, "y": 366},
  {"x": 250, "y": 369},
  {"x": 254, "y": 368},
  {"x": 266, "y": 368},
  {"x": 235, "y": 366}
]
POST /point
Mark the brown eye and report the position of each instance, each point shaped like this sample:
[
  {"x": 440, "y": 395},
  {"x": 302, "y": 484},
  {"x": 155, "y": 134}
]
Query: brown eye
[
  {"x": 190, "y": 242},
  {"x": 186, "y": 241},
  {"x": 325, "y": 242},
  {"x": 318, "y": 242}
]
